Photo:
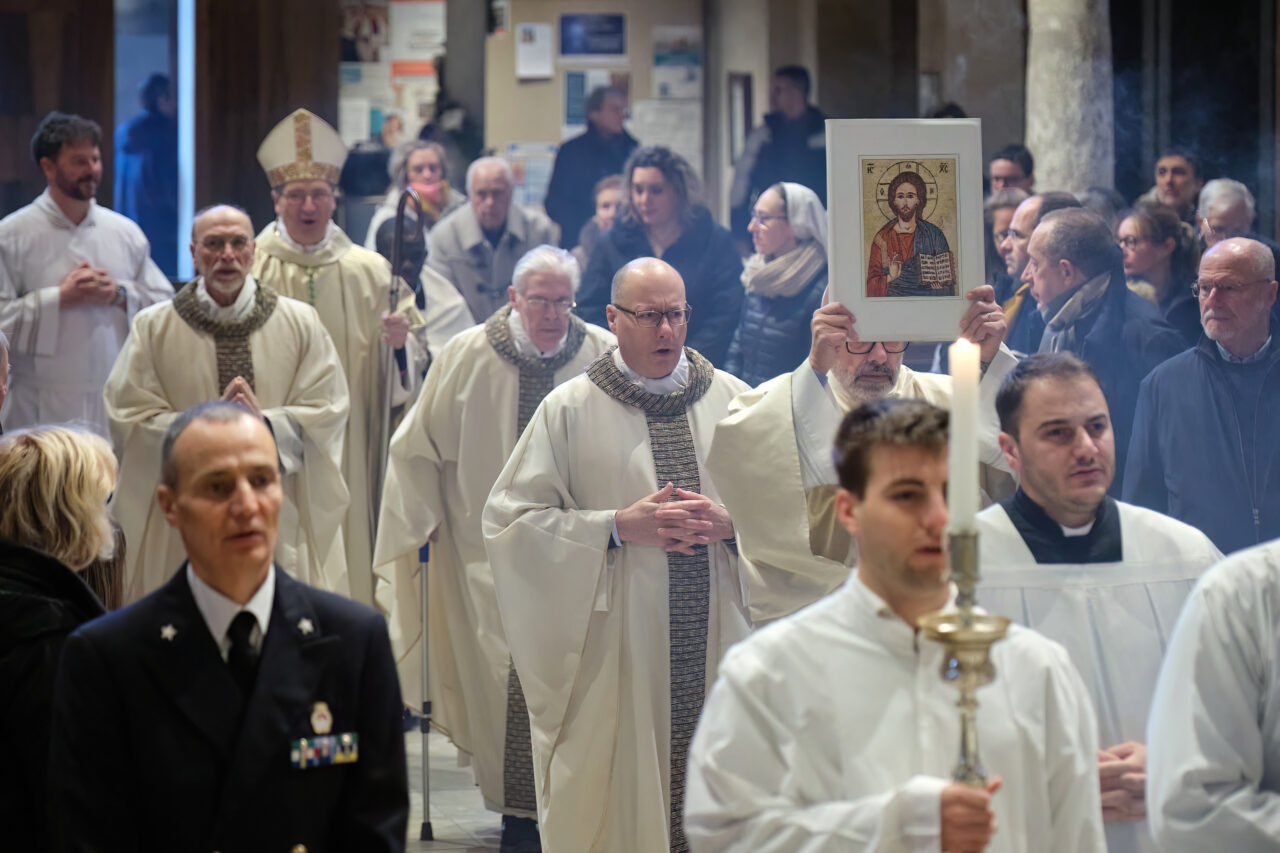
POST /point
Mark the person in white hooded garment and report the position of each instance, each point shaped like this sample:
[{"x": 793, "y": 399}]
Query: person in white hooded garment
[
  {"x": 1103, "y": 578},
  {"x": 833, "y": 729}
]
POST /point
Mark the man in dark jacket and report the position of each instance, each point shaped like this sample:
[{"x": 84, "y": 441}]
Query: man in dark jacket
[
  {"x": 147, "y": 172},
  {"x": 234, "y": 708},
  {"x": 584, "y": 160},
  {"x": 1202, "y": 447},
  {"x": 1077, "y": 280},
  {"x": 791, "y": 145},
  {"x": 1026, "y": 326}
]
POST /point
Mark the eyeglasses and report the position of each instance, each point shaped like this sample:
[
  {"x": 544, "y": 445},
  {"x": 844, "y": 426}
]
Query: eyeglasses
[
  {"x": 1130, "y": 242},
  {"x": 864, "y": 347},
  {"x": 541, "y": 304},
  {"x": 765, "y": 218},
  {"x": 1205, "y": 289},
  {"x": 1009, "y": 232},
  {"x": 300, "y": 197},
  {"x": 653, "y": 319}
]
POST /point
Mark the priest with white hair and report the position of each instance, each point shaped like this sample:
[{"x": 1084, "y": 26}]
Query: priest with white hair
[
  {"x": 616, "y": 574},
  {"x": 479, "y": 394},
  {"x": 303, "y": 254}
]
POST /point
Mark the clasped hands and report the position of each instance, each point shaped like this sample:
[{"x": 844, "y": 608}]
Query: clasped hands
[
  {"x": 1122, "y": 774},
  {"x": 674, "y": 525},
  {"x": 86, "y": 285}
]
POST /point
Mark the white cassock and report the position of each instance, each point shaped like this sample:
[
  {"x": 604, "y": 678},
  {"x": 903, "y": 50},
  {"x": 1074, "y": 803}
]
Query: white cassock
[
  {"x": 445, "y": 457},
  {"x": 1113, "y": 618},
  {"x": 610, "y": 696},
  {"x": 167, "y": 366},
  {"x": 349, "y": 286},
  {"x": 832, "y": 730},
  {"x": 1213, "y": 742},
  {"x": 783, "y": 501},
  {"x": 60, "y": 357}
]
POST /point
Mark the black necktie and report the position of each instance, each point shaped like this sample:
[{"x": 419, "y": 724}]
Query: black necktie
[{"x": 243, "y": 657}]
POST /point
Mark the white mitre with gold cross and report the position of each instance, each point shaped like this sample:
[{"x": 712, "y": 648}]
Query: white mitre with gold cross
[{"x": 303, "y": 147}]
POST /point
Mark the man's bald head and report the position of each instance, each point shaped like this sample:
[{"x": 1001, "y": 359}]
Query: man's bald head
[
  {"x": 641, "y": 272},
  {"x": 1249, "y": 257},
  {"x": 222, "y": 250},
  {"x": 1237, "y": 290},
  {"x": 644, "y": 291},
  {"x": 218, "y": 213}
]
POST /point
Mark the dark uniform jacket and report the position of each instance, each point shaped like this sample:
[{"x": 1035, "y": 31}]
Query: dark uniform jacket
[
  {"x": 154, "y": 749},
  {"x": 580, "y": 164}
]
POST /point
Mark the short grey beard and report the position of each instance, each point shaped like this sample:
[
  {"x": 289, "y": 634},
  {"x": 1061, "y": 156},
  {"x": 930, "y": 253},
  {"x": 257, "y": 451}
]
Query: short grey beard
[{"x": 845, "y": 377}]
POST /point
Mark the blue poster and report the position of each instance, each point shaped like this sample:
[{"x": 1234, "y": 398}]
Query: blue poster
[{"x": 593, "y": 35}]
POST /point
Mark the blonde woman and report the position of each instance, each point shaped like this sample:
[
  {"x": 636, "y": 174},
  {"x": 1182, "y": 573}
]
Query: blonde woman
[{"x": 54, "y": 484}]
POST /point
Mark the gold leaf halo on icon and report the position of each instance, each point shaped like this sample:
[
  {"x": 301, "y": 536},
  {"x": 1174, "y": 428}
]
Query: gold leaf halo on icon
[{"x": 892, "y": 171}]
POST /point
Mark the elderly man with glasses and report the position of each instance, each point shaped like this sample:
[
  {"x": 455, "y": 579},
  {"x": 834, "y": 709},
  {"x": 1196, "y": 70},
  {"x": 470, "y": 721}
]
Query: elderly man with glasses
[
  {"x": 479, "y": 395},
  {"x": 783, "y": 502},
  {"x": 1201, "y": 449}
]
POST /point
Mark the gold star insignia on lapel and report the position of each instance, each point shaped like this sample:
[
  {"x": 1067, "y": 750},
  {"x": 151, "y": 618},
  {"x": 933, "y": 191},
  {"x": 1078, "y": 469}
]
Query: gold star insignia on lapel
[
  {"x": 168, "y": 632},
  {"x": 305, "y": 627}
]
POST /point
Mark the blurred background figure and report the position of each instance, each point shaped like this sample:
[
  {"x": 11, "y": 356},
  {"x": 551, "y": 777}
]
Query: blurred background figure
[
  {"x": 586, "y": 159},
  {"x": 1012, "y": 168},
  {"x": 1105, "y": 202},
  {"x": 420, "y": 165},
  {"x": 997, "y": 216},
  {"x": 784, "y": 282},
  {"x": 1161, "y": 255},
  {"x": 608, "y": 198},
  {"x": 54, "y": 483},
  {"x": 1178, "y": 180},
  {"x": 147, "y": 171}
]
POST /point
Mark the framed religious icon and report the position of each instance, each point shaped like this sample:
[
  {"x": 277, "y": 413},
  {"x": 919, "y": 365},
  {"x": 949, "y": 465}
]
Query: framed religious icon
[{"x": 905, "y": 221}]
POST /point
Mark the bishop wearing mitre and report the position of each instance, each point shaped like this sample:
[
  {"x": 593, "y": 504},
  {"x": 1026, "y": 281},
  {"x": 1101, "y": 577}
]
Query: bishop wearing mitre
[
  {"x": 305, "y": 256},
  {"x": 226, "y": 337}
]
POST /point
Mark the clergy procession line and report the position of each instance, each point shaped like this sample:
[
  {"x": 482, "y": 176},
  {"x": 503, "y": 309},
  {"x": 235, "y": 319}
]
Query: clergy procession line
[{"x": 666, "y": 610}]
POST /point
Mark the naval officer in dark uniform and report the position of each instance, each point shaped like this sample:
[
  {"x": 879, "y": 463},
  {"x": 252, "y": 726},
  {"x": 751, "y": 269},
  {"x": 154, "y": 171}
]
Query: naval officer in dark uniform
[{"x": 234, "y": 709}]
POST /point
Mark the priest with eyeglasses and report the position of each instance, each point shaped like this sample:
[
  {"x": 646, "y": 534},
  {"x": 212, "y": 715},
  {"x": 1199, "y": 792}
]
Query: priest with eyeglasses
[{"x": 616, "y": 574}]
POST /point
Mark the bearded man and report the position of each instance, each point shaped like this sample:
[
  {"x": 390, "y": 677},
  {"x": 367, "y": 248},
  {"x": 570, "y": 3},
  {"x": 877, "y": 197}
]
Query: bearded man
[
  {"x": 909, "y": 255},
  {"x": 795, "y": 550}
]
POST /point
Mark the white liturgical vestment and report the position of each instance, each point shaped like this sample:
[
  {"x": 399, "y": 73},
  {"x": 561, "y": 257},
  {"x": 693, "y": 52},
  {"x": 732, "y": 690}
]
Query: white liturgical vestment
[
  {"x": 771, "y": 460},
  {"x": 445, "y": 457},
  {"x": 589, "y": 624},
  {"x": 832, "y": 730},
  {"x": 1213, "y": 742},
  {"x": 1113, "y": 618},
  {"x": 60, "y": 357},
  {"x": 167, "y": 366}
]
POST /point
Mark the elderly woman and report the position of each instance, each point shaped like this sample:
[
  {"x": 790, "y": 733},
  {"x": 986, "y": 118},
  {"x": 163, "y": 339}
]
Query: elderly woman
[
  {"x": 1161, "y": 260},
  {"x": 661, "y": 217},
  {"x": 419, "y": 165},
  {"x": 784, "y": 281},
  {"x": 54, "y": 484}
]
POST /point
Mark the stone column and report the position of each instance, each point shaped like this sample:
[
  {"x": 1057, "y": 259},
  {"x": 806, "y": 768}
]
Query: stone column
[{"x": 1069, "y": 107}]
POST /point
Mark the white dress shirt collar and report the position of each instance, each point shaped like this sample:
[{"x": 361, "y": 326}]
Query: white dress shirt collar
[
  {"x": 237, "y": 310},
  {"x": 218, "y": 610},
  {"x": 524, "y": 343},
  {"x": 669, "y": 384},
  {"x": 298, "y": 247}
]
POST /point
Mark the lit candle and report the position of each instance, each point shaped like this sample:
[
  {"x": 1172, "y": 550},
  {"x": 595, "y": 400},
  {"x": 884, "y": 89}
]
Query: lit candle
[{"x": 962, "y": 472}]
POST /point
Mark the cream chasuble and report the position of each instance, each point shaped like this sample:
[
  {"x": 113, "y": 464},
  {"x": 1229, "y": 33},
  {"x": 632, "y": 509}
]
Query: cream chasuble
[
  {"x": 349, "y": 285},
  {"x": 168, "y": 365},
  {"x": 1114, "y": 619},
  {"x": 615, "y": 646},
  {"x": 771, "y": 461},
  {"x": 445, "y": 457}
]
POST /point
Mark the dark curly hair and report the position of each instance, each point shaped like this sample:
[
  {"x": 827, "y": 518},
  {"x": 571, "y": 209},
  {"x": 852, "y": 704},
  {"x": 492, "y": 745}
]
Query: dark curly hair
[
  {"x": 677, "y": 172},
  {"x": 59, "y": 129}
]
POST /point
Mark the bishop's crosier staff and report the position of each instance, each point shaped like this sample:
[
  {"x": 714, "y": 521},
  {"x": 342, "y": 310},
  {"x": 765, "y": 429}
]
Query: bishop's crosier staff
[{"x": 967, "y": 635}]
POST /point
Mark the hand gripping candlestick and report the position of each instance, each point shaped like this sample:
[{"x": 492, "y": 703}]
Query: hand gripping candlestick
[{"x": 966, "y": 635}]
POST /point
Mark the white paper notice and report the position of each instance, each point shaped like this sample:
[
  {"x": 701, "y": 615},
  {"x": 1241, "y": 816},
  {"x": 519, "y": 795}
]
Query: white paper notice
[
  {"x": 675, "y": 124},
  {"x": 353, "y": 120},
  {"x": 533, "y": 51}
]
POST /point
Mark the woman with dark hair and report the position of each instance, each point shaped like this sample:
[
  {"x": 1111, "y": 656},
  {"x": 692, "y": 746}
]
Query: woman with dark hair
[
  {"x": 663, "y": 217},
  {"x": 1161, "y": 260},
  {"x": 54, "y": 483}
]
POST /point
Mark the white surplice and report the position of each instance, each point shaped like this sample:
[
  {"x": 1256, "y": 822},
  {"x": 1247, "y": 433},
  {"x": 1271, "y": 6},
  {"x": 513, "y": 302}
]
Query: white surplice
[
  {"x": 350, "y": 288},
  {"x": 832, "y": 730},
  {"x": 445, "y": 457},
  {"x": 771, "y": 461},
  {"x": 167, "y": 366},
  {"x": 1114, "y": 619},
  {"x": 1213, "y": 741},
  {"x": 588, "y": 624},
  {"x": 60, "y": 357}
]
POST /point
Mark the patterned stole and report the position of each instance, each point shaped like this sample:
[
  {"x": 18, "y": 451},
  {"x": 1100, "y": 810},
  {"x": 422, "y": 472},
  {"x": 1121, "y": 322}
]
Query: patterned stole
[
  {"x": 537, "y": 378},
  {"x": 675, "y": 460},
  {"x": 230, "y": 337}
]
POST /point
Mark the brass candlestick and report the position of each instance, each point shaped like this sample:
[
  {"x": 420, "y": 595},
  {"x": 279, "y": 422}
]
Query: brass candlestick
[{"x": 968, "y": 638}]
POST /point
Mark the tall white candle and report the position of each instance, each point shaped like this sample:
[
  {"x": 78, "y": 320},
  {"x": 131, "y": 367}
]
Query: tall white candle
[{"x": 962, "y": 472}]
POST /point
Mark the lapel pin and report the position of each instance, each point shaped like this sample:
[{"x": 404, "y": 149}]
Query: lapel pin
[
  {"x": 321, "y": 718},
  {"x": 305, "y": 626},
  {"x": 168, "y": 632}
]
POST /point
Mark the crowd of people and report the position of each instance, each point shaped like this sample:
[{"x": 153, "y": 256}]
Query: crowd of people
[{"x": 682, "y": 511}]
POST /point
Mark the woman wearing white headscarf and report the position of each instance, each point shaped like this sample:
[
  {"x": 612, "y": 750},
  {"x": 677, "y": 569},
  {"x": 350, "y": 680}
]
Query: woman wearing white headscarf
[{"x": 784, "y": 280}]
